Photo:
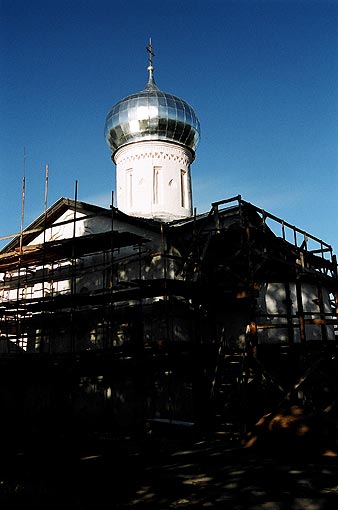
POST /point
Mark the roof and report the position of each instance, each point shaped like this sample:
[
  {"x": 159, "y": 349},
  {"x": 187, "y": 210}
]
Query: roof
[{"x": 55, "y": 211}]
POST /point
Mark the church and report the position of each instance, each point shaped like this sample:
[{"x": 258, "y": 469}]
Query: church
[{"x": 149, "y": 313}]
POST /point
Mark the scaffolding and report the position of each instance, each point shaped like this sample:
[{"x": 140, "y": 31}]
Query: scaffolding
[{"x": 210, "y": 312}]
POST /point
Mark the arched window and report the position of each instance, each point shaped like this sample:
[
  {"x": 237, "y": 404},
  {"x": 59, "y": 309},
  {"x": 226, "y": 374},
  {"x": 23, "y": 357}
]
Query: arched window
[
  {"x": 129, "y": 187},
  {"x": 184, "y": 188},
  {"x": 157, "y": 184}
]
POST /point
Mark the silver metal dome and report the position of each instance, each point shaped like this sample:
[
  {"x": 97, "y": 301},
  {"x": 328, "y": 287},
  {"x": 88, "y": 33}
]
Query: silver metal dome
[{"x": 152, "y": 115}]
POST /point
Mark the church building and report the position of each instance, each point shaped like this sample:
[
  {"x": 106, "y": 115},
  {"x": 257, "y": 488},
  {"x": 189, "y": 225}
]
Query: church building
[{"x": 148, "y": 312}]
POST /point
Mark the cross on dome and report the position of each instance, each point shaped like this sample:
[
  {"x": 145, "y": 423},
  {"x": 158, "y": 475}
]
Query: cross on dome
[
  {"x": 151, "y": 82},
  {"x": 151, "y": 53}
]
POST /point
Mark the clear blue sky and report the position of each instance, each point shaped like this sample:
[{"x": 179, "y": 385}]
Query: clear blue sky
[{"x": 261, "y": 75}]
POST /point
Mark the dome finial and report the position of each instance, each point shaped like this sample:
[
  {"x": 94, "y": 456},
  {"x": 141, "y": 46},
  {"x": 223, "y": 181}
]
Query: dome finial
[{"x": 151, "y": 82}]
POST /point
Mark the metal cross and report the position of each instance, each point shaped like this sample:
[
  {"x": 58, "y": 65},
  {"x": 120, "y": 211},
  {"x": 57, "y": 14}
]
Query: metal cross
[{"x": 150, "y": 51}]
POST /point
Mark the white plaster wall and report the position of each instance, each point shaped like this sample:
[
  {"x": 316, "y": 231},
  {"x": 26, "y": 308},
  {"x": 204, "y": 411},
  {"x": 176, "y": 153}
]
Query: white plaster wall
[
  {"x": 89, "y": 270},
  {"x": 310, "y": 301},
  {"x": 272, "y": 300},
  {"x": 93, "y": 225},
  {"x": 137, "y": 192}
]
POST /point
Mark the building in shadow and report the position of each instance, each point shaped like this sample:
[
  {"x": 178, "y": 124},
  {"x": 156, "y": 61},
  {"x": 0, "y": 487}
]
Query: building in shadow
[{"x": 116, "y": 320}]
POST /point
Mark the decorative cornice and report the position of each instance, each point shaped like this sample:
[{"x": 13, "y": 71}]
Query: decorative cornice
[{"x": 142, "y": 151}]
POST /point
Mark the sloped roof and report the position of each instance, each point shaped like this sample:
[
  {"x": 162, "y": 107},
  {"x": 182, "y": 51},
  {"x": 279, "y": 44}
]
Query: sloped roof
[{"x": 55, "y": 211}]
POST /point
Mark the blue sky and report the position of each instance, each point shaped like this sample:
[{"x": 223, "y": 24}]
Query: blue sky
[{"x": 261, "y": 75}]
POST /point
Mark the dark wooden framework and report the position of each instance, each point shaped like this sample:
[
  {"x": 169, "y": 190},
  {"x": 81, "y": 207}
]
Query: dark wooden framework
[{"x": 221, "y": 259}]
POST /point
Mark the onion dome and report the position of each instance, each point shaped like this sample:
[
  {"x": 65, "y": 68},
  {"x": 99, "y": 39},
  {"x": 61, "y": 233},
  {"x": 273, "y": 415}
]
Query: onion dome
[{"x": 152, "y": 115}]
